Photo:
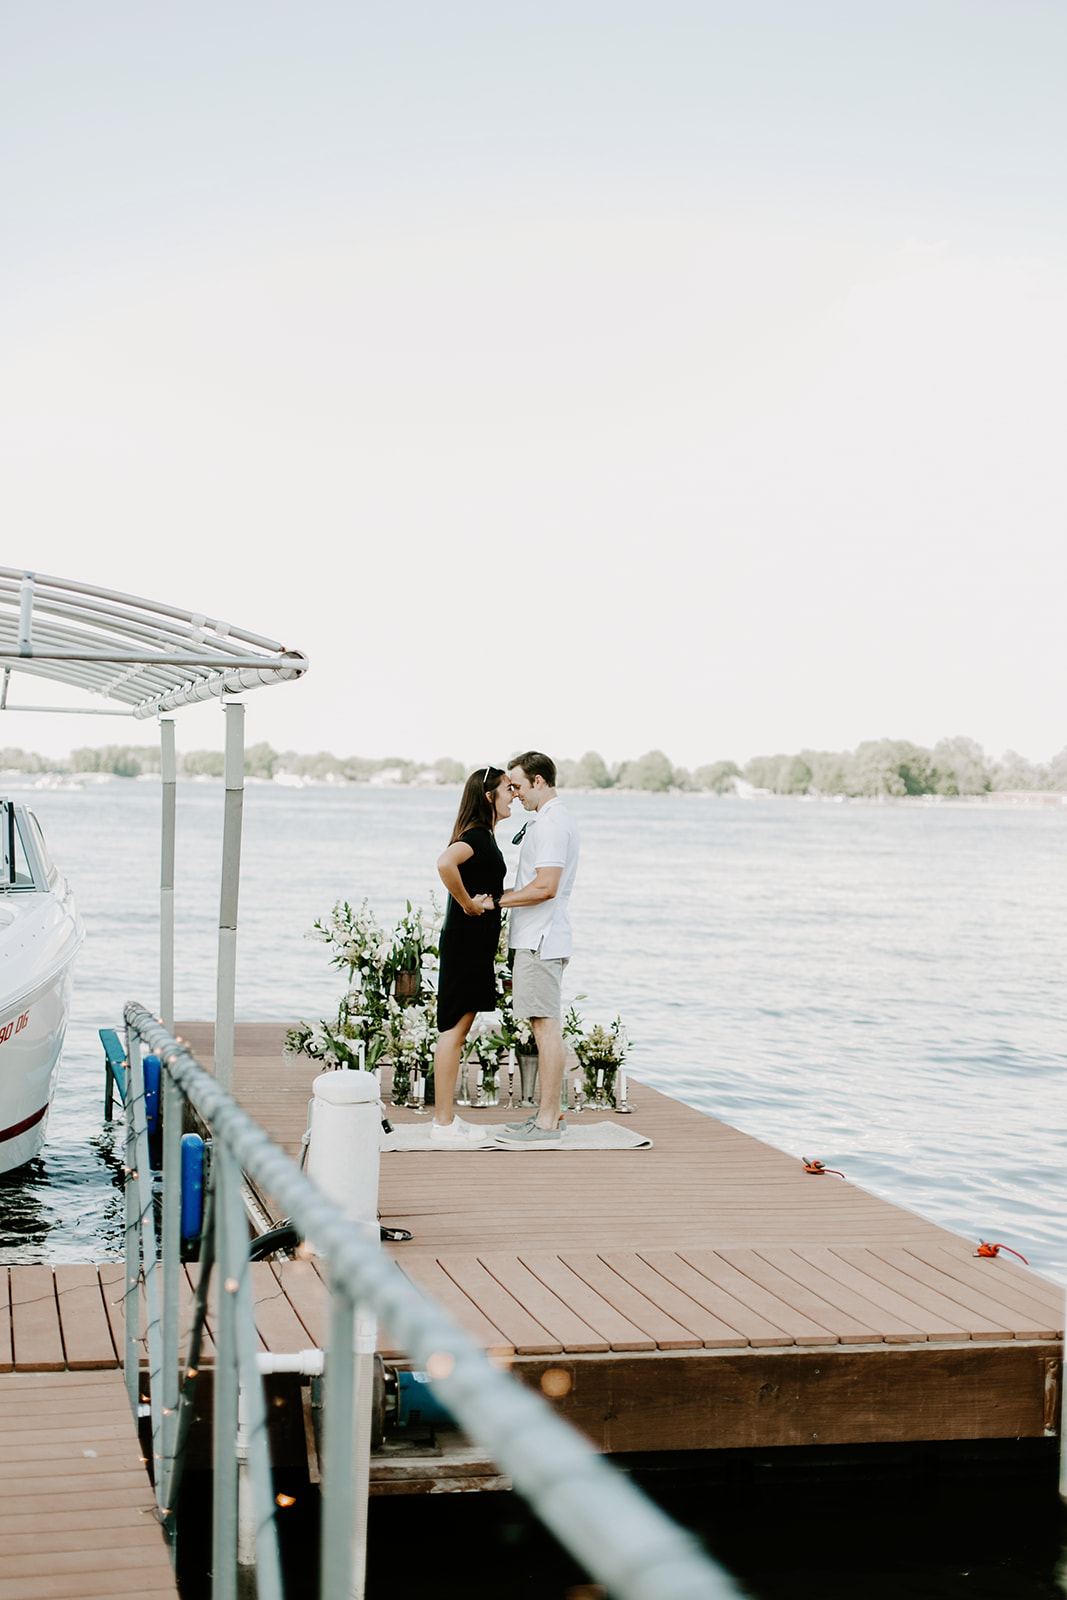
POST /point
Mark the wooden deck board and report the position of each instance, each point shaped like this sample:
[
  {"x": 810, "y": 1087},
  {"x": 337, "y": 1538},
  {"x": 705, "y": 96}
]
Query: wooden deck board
[
  {"x": 797, "y": 1327},
  {"x": 432, "y": 1277},
  {"x": 1026, "y": 1309},
  {"x": 7, "y": 1358},
  {"x": 600, "y": 1314},
  {"x": 77, "y": 1518},
  {"x": 86, "y": 1331},
  {"x": 662, "y": 1292},
  {"x": 35, "y": 1332},
  {"x": 887, "y": 1327},
  {"x": 644, "y": 1313},
  {"x": 987, "y": 1319},
  {"x": 793, "y": 1291},
  {"x": 526, "y": 1335},
  {"x": 547, "y": 1308},
  {"x": 278, "y": 1325}
]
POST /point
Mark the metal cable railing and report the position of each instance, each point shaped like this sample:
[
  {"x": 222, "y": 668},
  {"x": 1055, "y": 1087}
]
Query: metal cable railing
[{"x": 607, "y": 1524}]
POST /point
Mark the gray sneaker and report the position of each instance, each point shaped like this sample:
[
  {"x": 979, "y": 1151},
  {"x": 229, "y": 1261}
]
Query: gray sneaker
[
  {"x": 530, "y": 1136},
  {"x": 514, "y": 1127}
]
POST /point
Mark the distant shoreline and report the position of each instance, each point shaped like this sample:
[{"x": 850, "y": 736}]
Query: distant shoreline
[
  {"x": 1033, "y": 799},
  {"x": 877, "y": 770}
]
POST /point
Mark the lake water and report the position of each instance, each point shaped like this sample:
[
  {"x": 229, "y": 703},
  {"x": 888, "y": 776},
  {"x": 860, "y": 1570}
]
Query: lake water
[{"x": 881, "y": 987}]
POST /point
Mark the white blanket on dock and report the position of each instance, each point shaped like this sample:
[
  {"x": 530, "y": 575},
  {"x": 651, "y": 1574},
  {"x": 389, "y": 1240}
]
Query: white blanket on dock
[{"x": 414, "y": 1136}]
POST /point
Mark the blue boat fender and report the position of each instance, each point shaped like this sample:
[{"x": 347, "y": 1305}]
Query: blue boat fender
[
  {"x": 192, "y": 1214},
  {"x": 153, "y": 1071}
]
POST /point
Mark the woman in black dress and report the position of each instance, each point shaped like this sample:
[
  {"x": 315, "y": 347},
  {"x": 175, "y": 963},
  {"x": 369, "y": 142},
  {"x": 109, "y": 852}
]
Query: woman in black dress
[{"x": 472, "y": 870}]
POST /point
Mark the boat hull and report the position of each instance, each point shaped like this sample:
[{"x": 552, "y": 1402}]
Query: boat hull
[
  {"x": 39, "y": 939},
  {"x": 32, "y": 1030}
]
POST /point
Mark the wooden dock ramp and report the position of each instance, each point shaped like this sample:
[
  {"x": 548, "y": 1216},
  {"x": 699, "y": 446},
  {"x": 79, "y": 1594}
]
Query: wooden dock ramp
[{"x": 77, "y": 1515}]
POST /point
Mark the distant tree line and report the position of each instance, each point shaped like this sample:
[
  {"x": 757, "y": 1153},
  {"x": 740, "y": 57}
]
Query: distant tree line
[
  {"x": 879, "y": 767},
  {"x": 956, "y": 766}
]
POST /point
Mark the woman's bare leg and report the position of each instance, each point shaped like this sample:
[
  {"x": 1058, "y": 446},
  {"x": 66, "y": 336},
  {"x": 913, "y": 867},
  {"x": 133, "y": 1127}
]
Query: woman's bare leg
[{"x": 446, "y": 1059}]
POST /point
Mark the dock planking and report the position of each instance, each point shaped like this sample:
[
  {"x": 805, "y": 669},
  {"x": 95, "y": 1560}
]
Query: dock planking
[
  {"x": 705, "y": 1292},
  {"x": 77, "y": 1516}
]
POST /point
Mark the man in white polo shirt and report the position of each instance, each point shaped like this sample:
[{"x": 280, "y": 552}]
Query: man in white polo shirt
[{"x": 540, "y": 935}]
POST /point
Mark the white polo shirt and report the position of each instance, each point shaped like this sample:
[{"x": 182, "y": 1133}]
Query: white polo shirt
[{"x": 551, "y": 840}]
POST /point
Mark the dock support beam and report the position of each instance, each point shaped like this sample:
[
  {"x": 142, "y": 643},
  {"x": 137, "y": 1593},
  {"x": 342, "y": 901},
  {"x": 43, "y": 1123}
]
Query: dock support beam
[
  {"x": 225, "y": 1004},
  {"x": 169, "y": 777}
]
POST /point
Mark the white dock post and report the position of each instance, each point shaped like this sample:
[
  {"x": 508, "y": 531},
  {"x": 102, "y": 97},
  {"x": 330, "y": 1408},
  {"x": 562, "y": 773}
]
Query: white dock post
[
  {"x": 231, "y": 877},
  {"x": 343, "y": 1160},
  {"x": 169, "y": 779}
]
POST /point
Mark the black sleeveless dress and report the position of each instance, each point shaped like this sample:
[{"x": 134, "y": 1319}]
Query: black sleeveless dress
[{"x": 466, "y": 981}]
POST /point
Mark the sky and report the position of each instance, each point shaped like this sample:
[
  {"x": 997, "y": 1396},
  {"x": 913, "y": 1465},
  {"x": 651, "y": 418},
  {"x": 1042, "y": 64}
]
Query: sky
[{"x": 595, "y": 375}]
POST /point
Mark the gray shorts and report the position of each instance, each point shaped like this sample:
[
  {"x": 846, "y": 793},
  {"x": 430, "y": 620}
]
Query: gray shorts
[{"x": 535, "y": 990}]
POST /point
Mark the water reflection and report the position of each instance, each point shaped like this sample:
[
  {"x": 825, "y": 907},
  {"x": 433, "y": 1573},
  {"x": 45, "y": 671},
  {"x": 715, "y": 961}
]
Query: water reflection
[{"x": 66, "y": 1204}]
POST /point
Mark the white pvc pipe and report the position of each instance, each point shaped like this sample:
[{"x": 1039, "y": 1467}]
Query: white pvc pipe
[
  {"x": 309, "y": 1363},
  {"x": 343, "y": 1160}
]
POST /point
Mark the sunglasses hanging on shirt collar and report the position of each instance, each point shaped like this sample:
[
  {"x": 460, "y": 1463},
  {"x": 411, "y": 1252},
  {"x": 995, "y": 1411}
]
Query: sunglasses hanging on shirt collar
[{"x": 518, "y": 837}]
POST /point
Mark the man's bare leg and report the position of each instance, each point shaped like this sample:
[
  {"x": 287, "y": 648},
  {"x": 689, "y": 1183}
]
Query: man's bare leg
[{"x": 548, "y": 1032}]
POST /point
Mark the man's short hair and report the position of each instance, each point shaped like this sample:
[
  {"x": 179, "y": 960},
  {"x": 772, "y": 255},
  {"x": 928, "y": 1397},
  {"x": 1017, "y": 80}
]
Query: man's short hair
[{"x": 536, "y": 765}]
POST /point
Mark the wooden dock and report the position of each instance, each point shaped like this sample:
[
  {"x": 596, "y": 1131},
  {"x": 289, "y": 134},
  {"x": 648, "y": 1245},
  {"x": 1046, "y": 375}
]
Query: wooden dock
[{"x": 707, "y": 1293}]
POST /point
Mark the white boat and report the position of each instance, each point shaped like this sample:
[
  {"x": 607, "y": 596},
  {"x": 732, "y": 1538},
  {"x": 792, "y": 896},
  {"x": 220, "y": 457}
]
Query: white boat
[{"x": 40, "y": 935}]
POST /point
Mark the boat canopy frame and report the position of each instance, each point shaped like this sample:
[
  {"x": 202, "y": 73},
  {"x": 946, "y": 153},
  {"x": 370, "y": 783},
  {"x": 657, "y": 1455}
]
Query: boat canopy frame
[{"x": 143, "y": 658}]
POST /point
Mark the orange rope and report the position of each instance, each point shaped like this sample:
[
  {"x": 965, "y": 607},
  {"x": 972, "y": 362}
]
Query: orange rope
[
  {"x": 818, "y": 1169},
  {"x": 985, "y": 1249}
]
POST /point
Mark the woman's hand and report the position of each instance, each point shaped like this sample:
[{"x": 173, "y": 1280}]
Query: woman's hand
[{"x": 480, "y": 904}]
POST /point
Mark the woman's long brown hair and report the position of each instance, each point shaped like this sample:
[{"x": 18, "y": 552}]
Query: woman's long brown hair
[{"x": 475, "y": 807}]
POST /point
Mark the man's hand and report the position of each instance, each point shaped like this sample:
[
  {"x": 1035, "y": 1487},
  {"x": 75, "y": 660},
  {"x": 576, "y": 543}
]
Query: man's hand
[{"x": 480, "y": 904}]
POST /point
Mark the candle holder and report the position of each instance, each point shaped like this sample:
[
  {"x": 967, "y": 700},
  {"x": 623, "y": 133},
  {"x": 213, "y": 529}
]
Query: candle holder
[
  {"x": 623, "y": 1107},
  {"x": 417, "y": 1102},
  {"x": 463, "y": 1094},
  {"x": 579, "y": 1096}
]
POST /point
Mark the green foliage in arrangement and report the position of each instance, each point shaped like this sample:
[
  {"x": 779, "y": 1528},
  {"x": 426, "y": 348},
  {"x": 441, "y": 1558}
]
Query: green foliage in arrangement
[{"x": 371, "y": 1020}]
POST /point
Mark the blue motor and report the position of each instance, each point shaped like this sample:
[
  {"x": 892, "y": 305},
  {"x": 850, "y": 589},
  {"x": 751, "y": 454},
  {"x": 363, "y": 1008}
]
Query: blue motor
[{"x": 416, "y": 1404}]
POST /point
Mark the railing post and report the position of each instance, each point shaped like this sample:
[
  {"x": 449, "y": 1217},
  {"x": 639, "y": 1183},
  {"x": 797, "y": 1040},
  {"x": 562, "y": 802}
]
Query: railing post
[
  {"x": 196, "y": 1335},
  {"x": 225, "y": 1003},
  {"x": 366, "y": 1339},
  {"x": 169, "y": 779},
  {"x": 131, "y": 1361},
  {"x": 149, "y": 1262},
  {"x": 170, "y": 1382},
  {"x": 344, "y": 1160},
  {"x": 336, "y": 1564},
  {"x": 226, "y": 1174},
  {"x": 241, "y": 1413}
]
